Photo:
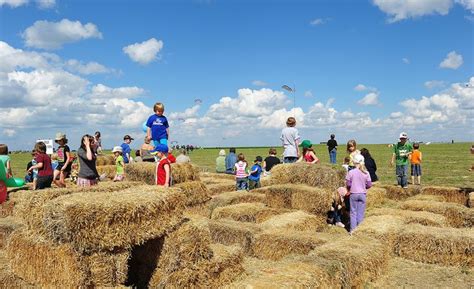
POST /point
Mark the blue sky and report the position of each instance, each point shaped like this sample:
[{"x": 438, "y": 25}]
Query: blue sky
[{"x": 362, "y": 69}]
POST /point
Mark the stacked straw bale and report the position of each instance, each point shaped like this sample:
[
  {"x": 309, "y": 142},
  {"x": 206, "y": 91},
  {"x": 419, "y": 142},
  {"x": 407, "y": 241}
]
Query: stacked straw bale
[
  {"x": 471, "y": 200},
  {"x": 14, "y": 200},
  {"x": 296, "y": 196},
  {"x": 399, "y": 193},
  {"x": 221, "y": 186},
  {"x": 209, "y": 177},
  {"x": 376, "y": 197},
  {"x": 105, "y": 160},
  {"x": 145, "y": 172},
  {"x": 412, "y": 217},
  {"x": 434, "y": 198},
  {"x": 458, "y": 216},
  {"x": 446, "y": 246},
  {"x": 7, "y": 278},
  {"x": 450, "y": 194},
  {"x": 108, "y": 170},
  {"x": 298, "y": 221},
  {"x": 40, "y": 261},
  {"x": 109, "y": 220},
  {"x": 7, "y": 226},
  {"x": 229, "y": 232},
  {"x": 246, "y": 212},
  {"x": 231, "y": 198},
  {"x": 320, "y": 175},
  {"x": 384, "y": 228},
  {"x": 196, "y": 192}
]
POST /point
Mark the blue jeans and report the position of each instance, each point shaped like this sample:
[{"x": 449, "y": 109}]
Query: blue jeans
[
  {"x": 289, "y": 160},
  {"x": 332, "y": 156},
  {"x": 402, "y": 175},
  {"x": 336, "y": 215},
  {"x": 242, "y": 184}
]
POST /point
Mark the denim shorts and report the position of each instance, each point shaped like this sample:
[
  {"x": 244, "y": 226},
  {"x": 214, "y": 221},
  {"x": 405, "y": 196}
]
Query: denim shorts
[{"x": 416, "y": 170}]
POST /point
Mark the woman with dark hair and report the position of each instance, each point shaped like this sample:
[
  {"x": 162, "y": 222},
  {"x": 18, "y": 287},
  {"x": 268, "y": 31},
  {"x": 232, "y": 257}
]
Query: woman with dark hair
[
  {"x": 370, "y": 164},
  {"x": 87, "y": 168}
]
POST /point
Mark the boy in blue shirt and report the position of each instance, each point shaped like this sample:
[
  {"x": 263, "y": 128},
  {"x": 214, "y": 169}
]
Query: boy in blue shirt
[
  {"x": 157, "y": 126},
  {"x": 126, "y": 151},
  {"x": 255, "y": 172}
]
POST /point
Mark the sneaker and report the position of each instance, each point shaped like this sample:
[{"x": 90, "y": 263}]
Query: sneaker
[
  {"x": 405, "y": 187},
  {"x": 339, "y": 224}
]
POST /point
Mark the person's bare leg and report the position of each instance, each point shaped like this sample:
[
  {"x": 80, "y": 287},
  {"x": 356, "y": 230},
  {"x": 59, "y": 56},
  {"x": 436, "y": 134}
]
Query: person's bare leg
[{"x": 55, "y": 176}]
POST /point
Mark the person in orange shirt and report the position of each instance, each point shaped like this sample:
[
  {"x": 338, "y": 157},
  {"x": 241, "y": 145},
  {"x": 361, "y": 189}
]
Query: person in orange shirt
[{"x": 415, "y": 160}]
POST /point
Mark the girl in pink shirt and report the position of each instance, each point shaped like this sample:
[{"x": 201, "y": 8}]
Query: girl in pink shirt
[
  {"x": 241, "y": 173},
  {"x": 358, "y": 181}
]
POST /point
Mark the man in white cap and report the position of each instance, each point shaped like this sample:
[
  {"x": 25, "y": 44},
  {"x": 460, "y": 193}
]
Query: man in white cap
[{"x": 401, "y": 154}]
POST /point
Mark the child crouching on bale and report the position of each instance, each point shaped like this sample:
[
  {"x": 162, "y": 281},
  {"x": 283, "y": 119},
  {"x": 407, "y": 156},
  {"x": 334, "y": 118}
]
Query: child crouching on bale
[
  {"x": 336, "y": 208},
  {"x": 163, "y": 167}
]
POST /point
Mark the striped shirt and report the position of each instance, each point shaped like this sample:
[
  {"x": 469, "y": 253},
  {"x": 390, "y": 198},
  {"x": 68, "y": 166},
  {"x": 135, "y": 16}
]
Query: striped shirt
[{"x": 240, "y": 169}]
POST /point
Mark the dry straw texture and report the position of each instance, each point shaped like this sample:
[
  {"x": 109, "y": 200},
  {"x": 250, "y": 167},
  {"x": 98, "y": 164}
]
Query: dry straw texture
[
  {"x": 231, "y": 198},
  {"x": 398, "y": 193},
  {"x": 108, "y": 170},
  {"x": 8, "y": 279},
  {"x": 457, "y": 215},
  {"x": 412, "y": 217},
  {"x": 105, "y": 160},
  {"x": 213, "y": 176},
  {"x": 282, "y": 274},
  {"x": 228, "y": 232},
  {"x": 195, "y": 191},
  {"x": 450, "y": 194},
  {"x": 471, "y": 200},
  {"x": 299, "y": 221},
  {"x": 108, "y": 220},
  {"x": 320, "y": 175},
  {"x": 7, "y": 226},
  {"x": 437, "y": 198},
  {"x": 221, "y": 186},
  {"x": 446, "y": 246},
  {"x": 355, "y": 260},
  {"x": 145, "y": 172},
  {"x": 301, "y": 197},
  {"x": 276, "y": 244},
  {"x": 384, "y": 228},
  {"x": 376, "y": 197},
  {"x": 246, "y": 212},
  {"x": 31, "y": 207},
  {"x": 41, "y": 262}
]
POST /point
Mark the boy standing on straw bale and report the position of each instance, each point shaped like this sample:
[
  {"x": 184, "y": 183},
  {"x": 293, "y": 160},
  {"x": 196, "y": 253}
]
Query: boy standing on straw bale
[
  {"x": 157, "y": 126},
  {"x": 255, "y": 172},
  {"x": 401, "y": 153},
  {"x": 415, "y": 160},
  {"x": 290, "y": 139},
  {"x": 163, "y": 167}
]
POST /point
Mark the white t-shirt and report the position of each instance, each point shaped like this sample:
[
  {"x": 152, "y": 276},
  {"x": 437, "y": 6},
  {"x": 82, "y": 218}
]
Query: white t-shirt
[{"x": 289, "y": 136}]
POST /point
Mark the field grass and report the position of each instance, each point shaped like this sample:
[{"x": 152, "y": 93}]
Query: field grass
[{"x": 443, "y": 164}]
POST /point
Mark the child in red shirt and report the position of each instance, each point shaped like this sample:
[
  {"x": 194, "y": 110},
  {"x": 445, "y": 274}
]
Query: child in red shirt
[{"x": 163, "y": 168}]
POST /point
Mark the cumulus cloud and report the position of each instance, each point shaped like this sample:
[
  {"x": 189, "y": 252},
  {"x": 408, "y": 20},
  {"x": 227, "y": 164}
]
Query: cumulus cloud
[
  {"x": 432, "y": 84},
  {"x": 144, "y": 52},
  {"x": 43, "y": 4},
  {"x": 46, "y": 4},
  {"x": 452, "y": 61},
  {"x": 403, "y": 9},
  {"x": 9, "y": 132},
  {"x": 53, "y": 35},
  {"x": 86, "y": 68},
  {"x": 468, "y": 4},
  {"x": 101, "y": 91},
  {"x": 259, "y": 83},
  {"x": 371, "y": 98}
]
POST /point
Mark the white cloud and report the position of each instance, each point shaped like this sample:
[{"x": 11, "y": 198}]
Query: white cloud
[
  {"x": 101, "y": 91},
  {"x": 431, "y": 84},
  {"x": 308, "y": 93},
  {"x": 53, "y": 35},
  {"x": 86, "y": 68},
  {"x": 406, "y": 60},
  {"x": 144, "y": 52},
  {"x": 259, "y": 83},
  {"x": 360, "y": 87},
  {"x": 317, "y": 21},
  {"x": 13, "y": 3},
  {"x": 452, "y": 61},
  {"x": 46, "y": 4},
  {"x": 371, "y": 98},
  {"x": 468, "y": 4},
  {"x": 404, "y": 9},
  {"x": 9, "y": 132}
]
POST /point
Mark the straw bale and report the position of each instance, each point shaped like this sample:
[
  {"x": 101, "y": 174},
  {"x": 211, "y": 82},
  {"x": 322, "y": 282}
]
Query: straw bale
[
  {"x": 399, "y": 193},
  {"x": 236, "y": 197},
  {"x": 31, "y": 207},
  {"x": 105, "y": 160},
  {"x": 6, "y": 208},
  {"x": 446, "y": 246},
  {"x": 411, "y": 217},
  {"x": 402, "y": 273},
  {"x": 195, "y": 191},
  {"x": 320, "y": 175},
  {"x": 108, "y": 170},
  {"x": 246, "y": 212},
  {"x": 282, "y": 274},
  {"x": 276, "y": 244},
  {"x": 266, "y": 181},
  {"x": 353, "y": 260},
  {"x": 7, "y": 278},
  {"x": 450, "y": 194},
  {"x": 201, "y": 210},
  {"x": 14, "y": 199},
  {"x": 376, "y": 197},
  {"x": 458, "y": 216},
  {"x": 229, "y": 232},
  {"x": 298, "y": 220},
  {"x": 225, "y": 265},
  {"x": 214, "y": 176},
  {"x": 221, "y": 186},
  {"x": 7, "y": 226},
  {"x": 113, "y": 219},
  {"x": 39, "y": 261},
  {"x": 384, "y": 228},
  {"x": 471, "y": 200},
  {"x": 145, "y": 172},
  {"x": 420, "y": 197}
]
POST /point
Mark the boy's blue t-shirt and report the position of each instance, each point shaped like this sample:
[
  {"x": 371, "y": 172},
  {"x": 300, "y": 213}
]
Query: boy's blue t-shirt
[
  {"x": 158, "y": 125},
  {"x": 125, "y": 150},
  {"x": 255, "y": 176}
]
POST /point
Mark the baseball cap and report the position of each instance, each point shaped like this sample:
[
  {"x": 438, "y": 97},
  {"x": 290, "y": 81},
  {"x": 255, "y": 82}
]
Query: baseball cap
[
  {"x": 358, "y": 159},
  {"x": 403, "y": 135},
  {"x": 117, "y": 149},
  {"x": 128, "y": 137},
  {"x": 160, "y": 148},
  {"x": 306, "y": 144},
  {"x": 258, "y": 159}
]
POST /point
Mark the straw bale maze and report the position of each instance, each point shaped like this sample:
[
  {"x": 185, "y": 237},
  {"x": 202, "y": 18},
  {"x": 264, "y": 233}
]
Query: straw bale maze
[{"x": 202, "y": 234}]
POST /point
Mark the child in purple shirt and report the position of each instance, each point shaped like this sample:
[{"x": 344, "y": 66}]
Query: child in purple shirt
[{"x": 358, "y": 181}]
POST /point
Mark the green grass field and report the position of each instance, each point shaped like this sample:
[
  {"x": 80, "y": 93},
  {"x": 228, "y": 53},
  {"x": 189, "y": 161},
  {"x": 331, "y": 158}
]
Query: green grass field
[{"x": 443, "y": 164}]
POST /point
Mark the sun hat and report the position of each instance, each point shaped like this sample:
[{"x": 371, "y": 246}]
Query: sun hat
[
  {"x": 258, "y": 159},
  {"x": 60, "y": 136},
  {"x": 358, "y": 159},
  {"x": 160, "y": 148},
  {"x": 128, "y": 137},
  {"x": 342, "y": 191},
  {"x": 403, "y": 135},
  {"x": 222, "y": 152},
  {"x": 117, "y": 149},
  {"x": 306, "y": 144}
]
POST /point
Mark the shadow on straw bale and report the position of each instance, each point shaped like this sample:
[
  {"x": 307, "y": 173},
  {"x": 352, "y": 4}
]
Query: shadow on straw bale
[
  {"x": 471, "y": 200},
  {"x": 446, "y": 246},
  {"x": 298, "y": 221},
  {"x": 111, "y": 220},
  {"x": 236, "y": 197},
  {"x": 195, "y": 191},
  {"x": 41, "y": 262},
  {"x": 145, "y": 172},
  {"x": 246, "y": 212},
  {"x": 228, "y": 232},
  {"x": 399, "y": 193},
  {"x": 143, "y": 261},
  {"x": 412, "y": 217},
  {"x": 458, "y": 216},
  {"x": 320, "y": 175},
  {"x": 7, "y": 226},
  {"x": 450, "y": 194},
  {"x": 376, "y": 197}
]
